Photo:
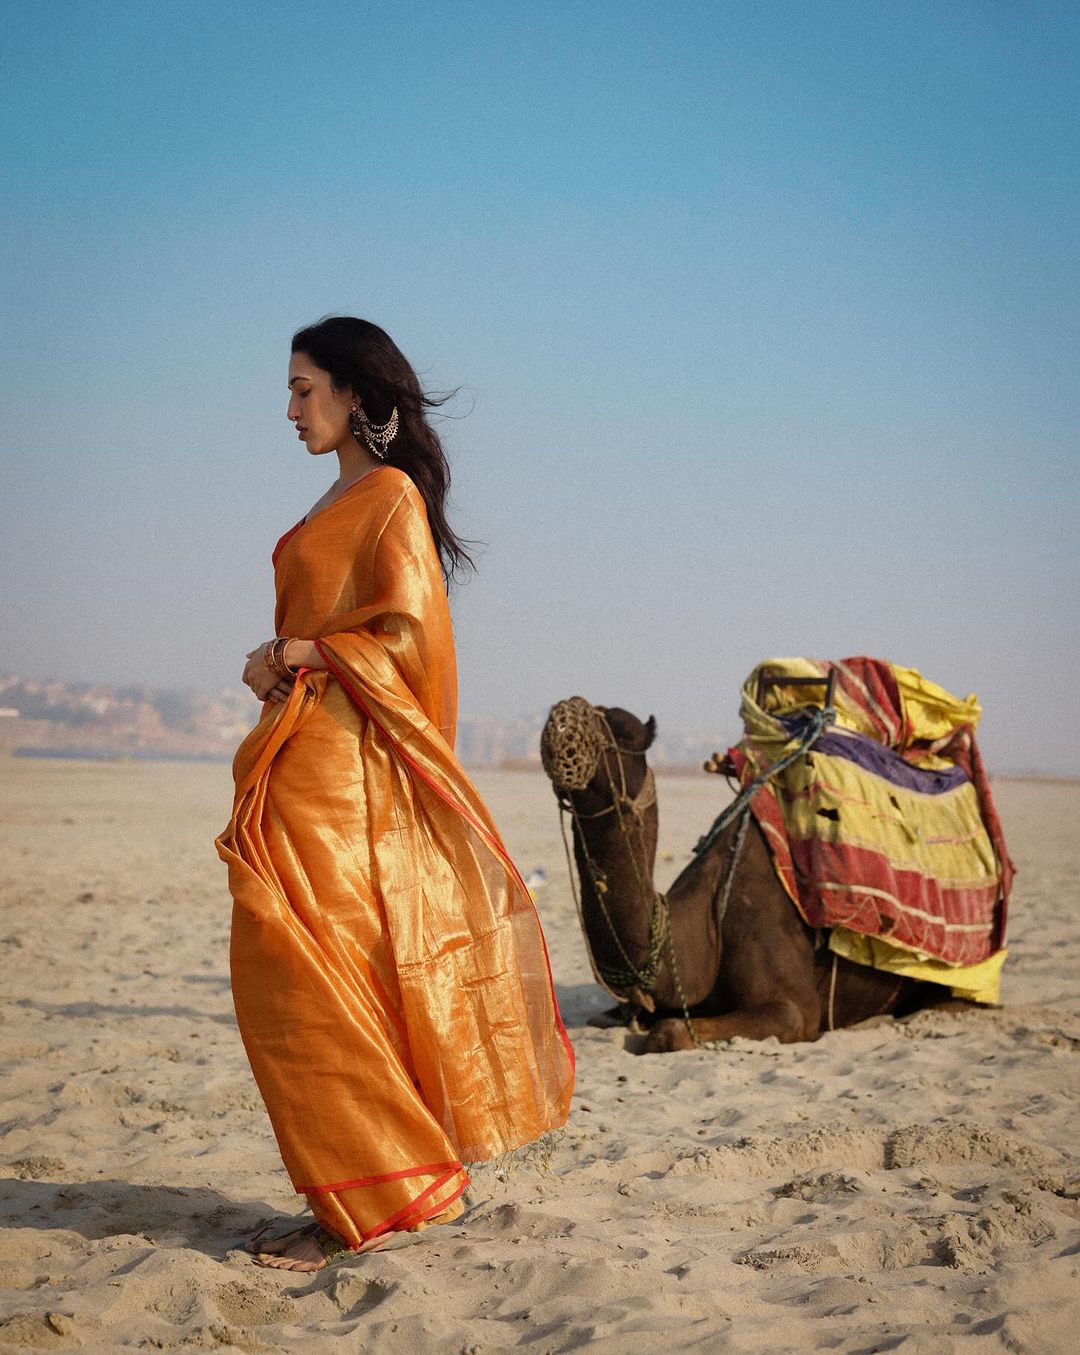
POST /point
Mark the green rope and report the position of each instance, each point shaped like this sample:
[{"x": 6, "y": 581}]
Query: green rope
[
  {"x": 821, "y": 718},
  {"x": 644, "y": 976}
]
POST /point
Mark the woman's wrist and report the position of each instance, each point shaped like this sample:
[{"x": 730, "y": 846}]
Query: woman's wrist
[{"x": 302, "y": 654}]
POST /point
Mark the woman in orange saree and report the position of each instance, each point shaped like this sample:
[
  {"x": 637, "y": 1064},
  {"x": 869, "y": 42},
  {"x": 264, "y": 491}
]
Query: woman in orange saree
[{"x": 389, "y": 973}]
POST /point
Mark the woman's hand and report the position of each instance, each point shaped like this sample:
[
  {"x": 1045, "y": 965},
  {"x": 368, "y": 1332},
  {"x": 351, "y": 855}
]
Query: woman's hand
[
  {"x": 270, "y": 686},
  {"x": 263, "y": 681}
]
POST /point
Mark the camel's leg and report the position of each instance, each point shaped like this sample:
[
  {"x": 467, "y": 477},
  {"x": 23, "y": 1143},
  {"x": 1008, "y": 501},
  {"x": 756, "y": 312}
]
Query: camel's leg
[
  {"x": 785, "y": 1019},
  {"x": 763, "y": 971}
]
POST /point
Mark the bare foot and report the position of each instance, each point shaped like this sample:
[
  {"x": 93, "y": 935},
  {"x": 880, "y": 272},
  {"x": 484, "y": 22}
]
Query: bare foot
[
  {"x": 273, "y": 1234},
  {"x": 304, "y": 1250},
  {"x": 309, "y": 1247}
]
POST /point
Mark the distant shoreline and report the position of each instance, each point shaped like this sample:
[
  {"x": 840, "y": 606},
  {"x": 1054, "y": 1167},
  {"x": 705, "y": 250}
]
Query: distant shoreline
[
  {"x": 510, "y": 765},
  {"x": 94, "y": 755}
]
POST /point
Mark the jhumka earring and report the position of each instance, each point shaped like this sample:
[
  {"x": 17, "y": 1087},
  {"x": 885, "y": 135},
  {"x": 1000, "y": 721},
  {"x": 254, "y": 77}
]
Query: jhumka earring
[{"x": 378, "y": 436}]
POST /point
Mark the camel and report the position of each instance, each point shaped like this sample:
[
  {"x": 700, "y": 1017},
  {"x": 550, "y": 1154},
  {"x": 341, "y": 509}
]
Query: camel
[{"x": 724, "y": 952}]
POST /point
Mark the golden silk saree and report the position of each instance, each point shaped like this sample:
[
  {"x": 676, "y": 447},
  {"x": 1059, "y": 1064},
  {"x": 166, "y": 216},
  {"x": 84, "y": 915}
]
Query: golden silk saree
[{"x": 389, "y": 972}]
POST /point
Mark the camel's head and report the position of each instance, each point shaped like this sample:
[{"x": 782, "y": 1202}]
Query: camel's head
[
  {"x": 588, "y": 751},
  {"x": 595, "y": 757}
]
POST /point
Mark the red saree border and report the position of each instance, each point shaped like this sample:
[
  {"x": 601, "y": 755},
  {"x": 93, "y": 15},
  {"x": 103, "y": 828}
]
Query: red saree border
[
  {"x": 284, "y": 539},
  {"x": 411, "y": 1209},
  {"x": 427, "y": 1170},
  {"x": 493, "y": 843}
]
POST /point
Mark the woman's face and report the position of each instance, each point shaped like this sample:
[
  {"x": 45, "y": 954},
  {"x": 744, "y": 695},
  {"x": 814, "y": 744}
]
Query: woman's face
[{"x": 320, "y": 412}]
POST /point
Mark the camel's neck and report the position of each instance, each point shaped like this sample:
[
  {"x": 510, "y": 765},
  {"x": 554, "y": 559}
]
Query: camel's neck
[
  {"x": 693, "y": 956},
  {"x": 616, "y": 854}
]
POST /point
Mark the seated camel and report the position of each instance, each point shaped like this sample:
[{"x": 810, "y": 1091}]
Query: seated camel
[{"x": 724, "y": 952}]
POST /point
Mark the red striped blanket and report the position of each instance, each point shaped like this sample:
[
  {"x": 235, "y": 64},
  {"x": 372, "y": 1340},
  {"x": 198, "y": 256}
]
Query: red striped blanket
[{"x": 887, "y": 825}]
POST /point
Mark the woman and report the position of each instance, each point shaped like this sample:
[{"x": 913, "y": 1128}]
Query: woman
[{"x": 389, "y": 973}]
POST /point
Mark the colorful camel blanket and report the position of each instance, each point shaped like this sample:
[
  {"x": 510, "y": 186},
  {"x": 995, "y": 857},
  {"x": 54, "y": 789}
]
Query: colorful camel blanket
[{"x": 886, "y": 827}]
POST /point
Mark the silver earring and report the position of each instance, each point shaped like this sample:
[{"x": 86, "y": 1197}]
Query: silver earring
[{"x": 378, "y": 436}]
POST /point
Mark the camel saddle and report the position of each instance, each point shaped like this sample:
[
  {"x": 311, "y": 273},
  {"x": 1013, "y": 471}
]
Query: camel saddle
[{"x": 886, "y": 825}]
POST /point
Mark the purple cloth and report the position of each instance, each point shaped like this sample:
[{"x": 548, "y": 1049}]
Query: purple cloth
[{"x": 874, "y": 757}]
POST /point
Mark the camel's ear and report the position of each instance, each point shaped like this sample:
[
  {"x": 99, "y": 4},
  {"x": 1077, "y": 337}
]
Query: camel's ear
[{"x": 650, "y": 731}]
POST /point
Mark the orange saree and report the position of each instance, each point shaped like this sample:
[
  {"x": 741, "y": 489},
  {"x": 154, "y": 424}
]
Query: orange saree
[{"x": 389, "y": 974}]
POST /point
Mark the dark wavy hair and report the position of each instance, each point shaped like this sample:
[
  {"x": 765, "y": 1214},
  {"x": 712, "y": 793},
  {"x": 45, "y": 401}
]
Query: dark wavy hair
[{"x": 362, "y": 356}]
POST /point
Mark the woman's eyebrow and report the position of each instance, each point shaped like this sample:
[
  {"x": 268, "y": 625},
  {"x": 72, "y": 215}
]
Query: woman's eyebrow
[{"x": 298, "y": 378}]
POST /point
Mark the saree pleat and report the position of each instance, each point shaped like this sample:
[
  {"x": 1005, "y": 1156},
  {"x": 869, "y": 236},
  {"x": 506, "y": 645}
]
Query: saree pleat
[{"x": 390, "y": 978}]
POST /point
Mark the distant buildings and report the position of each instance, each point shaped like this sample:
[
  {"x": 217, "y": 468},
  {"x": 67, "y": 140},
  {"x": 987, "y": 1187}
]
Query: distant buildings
[
  {"x": 67, "y": 719},
  {"x": 483, "y": 741},
  {"x": 70, "y": 720}
]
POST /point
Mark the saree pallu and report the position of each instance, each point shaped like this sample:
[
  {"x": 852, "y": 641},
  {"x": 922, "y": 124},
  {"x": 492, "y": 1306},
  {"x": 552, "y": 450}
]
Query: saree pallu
[{"x": 390, "y": 977}]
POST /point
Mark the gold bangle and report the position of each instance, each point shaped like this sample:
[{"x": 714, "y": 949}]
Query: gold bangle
[
  {"x": 279, "y": 663},
  {"x": 272, "y": 657}
]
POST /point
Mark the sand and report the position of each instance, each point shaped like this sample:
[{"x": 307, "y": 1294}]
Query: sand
[{"x": 899, "y": 1186}]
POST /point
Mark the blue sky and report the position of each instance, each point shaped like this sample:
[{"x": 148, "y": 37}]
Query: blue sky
[{"x": 765, "y": 317}]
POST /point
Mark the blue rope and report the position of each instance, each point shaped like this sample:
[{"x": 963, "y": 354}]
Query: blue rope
[{"x": 821, "y": 718}]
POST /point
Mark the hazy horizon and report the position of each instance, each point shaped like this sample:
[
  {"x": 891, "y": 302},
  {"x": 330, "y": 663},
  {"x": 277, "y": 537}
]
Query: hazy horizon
[
  {"x": 766, "y": 321},
  {"x": 670, "y": 740}
]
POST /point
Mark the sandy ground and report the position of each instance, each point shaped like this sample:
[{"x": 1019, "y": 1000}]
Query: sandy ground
[{"x": 907, "y": 1187}]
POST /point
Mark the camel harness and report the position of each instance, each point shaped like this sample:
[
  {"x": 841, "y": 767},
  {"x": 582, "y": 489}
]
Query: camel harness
[{"x": 586, "y": 740}]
